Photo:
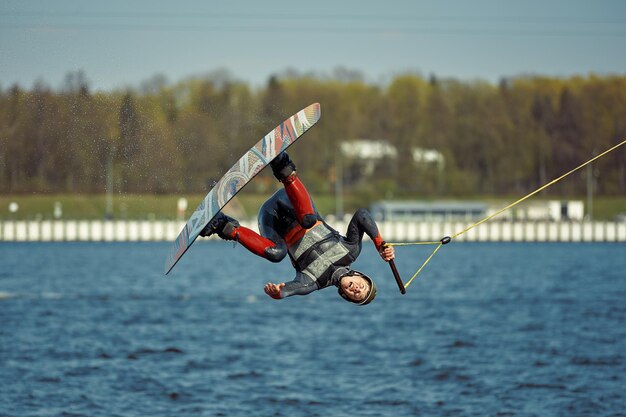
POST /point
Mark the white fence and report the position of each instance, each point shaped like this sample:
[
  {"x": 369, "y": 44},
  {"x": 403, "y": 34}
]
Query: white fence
[{"x": 117, "y": 231}]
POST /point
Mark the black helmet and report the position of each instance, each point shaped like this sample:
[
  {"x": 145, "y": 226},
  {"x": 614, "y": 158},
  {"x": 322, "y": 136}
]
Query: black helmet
[{"x": 370, "y": 295}]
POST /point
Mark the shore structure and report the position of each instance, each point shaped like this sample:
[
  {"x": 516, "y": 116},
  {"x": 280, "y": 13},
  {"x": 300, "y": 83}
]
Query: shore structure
[{"x": 167, "y": 230}]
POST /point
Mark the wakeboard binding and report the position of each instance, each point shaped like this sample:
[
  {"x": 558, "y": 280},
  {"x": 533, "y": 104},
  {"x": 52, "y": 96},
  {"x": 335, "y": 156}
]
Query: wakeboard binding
[{"x": 223, "y": 225}]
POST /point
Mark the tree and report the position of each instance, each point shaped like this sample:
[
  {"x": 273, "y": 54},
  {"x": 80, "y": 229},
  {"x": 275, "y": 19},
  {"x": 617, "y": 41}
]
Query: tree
[
  {"x": 129, "y": 139},
  {"x": 405, "y": 95}
]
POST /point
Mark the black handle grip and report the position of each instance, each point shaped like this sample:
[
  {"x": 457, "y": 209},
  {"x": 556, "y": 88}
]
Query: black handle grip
[{"x": 396, "y": 275}]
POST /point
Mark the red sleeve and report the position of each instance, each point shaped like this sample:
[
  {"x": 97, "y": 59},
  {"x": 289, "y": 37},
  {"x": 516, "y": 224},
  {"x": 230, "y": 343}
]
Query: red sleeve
[{"x": 253, "y": 241}]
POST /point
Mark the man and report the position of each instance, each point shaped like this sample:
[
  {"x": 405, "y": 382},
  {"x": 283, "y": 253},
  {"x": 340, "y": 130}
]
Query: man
[{"x": 290, "y": 224}]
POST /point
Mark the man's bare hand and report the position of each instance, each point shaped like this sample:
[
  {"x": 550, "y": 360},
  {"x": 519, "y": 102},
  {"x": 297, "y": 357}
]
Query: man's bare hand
[
  {"x": 387, "y": 253},
  {"x": 273, "y": 290}
]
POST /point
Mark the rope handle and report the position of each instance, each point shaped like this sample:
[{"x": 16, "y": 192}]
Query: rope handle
[{"x": 395, "y": 273}]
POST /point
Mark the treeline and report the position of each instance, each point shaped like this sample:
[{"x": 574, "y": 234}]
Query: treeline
[{"x": 179, "y": 138}]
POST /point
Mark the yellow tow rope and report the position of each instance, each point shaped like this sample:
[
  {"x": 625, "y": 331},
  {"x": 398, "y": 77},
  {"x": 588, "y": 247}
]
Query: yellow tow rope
[{"x": 447, "y": 239}]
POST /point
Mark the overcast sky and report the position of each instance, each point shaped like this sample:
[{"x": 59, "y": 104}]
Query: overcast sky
[{"x": 121, "y": 43}]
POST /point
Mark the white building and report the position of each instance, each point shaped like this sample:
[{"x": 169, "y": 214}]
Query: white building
[
  {"x": 428, "y": 211},
  {"x": 553, "y": 210}
]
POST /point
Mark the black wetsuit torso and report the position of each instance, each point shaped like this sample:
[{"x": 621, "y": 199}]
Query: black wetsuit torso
[{"x": 320, "y": 254}]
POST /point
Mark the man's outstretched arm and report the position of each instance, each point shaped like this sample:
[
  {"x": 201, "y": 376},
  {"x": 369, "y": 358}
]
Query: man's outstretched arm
[{"x": 302, "y": 285}]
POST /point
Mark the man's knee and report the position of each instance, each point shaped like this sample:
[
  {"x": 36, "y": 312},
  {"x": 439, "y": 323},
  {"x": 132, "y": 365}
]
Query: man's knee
[
  {"x": 308, "y": 221},
  {"x": 276, "y": 253}
]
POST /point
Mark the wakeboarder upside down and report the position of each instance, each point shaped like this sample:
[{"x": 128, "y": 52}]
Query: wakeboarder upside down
[{"x": 290, "y": 224}]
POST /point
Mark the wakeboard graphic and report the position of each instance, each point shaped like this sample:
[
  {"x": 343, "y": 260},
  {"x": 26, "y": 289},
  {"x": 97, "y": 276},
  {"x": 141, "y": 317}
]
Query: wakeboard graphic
[{"x": 246, "y": 168}]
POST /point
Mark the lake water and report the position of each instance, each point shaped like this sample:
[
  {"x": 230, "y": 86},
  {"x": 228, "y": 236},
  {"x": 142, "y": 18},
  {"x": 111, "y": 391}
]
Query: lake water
[{"x": 95, "y": 329}]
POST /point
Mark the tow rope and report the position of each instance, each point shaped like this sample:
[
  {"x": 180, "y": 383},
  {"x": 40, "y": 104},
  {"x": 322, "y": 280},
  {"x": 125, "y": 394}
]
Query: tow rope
[{"x": 447, "y": 239}]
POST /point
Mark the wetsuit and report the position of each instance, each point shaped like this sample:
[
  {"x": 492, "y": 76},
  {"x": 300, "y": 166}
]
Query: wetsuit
[{"x": 290, "y": 225}]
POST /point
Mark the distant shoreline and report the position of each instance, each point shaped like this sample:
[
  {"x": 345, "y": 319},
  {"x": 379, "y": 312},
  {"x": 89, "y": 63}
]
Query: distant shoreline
[{"x": 396, "y": 231}]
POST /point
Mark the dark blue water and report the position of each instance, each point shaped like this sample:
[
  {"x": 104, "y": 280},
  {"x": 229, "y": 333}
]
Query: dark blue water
[{"x": 488, "y": 330}]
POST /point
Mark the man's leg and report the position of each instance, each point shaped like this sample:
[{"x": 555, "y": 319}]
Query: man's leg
[
  {"x": 285, "y": 171},
  {"x": 229, "y": 229}
]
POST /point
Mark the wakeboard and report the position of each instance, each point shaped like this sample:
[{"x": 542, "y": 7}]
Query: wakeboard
[{"x": 240, "y": 174}]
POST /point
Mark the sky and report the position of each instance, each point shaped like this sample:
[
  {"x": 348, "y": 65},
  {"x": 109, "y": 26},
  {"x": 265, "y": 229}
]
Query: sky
[{"x": 120, "y": 44}]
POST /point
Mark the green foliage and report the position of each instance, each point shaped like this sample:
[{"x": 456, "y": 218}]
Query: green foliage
[{"x": 495, "y": 139}]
